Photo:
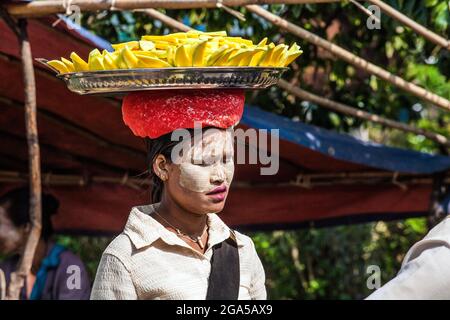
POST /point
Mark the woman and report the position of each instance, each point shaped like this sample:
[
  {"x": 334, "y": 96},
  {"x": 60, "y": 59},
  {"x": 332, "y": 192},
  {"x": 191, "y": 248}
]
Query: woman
[
  {"x": 175, "y": 248},
  {"x": 54, "y": 268}
]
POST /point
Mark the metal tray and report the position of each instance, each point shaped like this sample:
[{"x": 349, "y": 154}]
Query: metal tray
[{"x": 125, "y": 80}]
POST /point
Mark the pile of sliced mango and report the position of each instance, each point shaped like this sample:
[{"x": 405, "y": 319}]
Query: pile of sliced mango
[{"x": 183, "y": 49}]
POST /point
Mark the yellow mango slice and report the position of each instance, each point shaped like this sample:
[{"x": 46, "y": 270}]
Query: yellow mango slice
[
  {"x": 151, "y": 62},
  {"x": 223, "y": 59},
  {"x": 96, "y": 63},
  {"x": 216, "y": 33},
  {"x": 183, "y": 57},
  {"x": 146, "y": 45},
  {"x": 184, "y": 49},
  {"x": 257, "y": 58},
  {"x": 173, "y": 37},
  {"x": 199, "y": 56},
  {"x": 216, "y": 55},
  {"x": 129, "y": 58},
  {"x": 94, "y": 53},
  {"x": 163, "y": 45},
  {"x": 58, "y": 65},
  {"x": 293, "y": 53},
  {"x": 239, "y": 40},
  {"x": 171, "y": 55},
  {"x": 69, "y": 64},
  {"x": 246, "y": 60},
  {"x": 109, "y": 61},
  {"x": 262, "y": 42},
  {"x": 265, "y": 62},
  {"x": 276, "y": 55},
  {"x": 130, "y": 44},
  {"x": 291, "y": 57},
  {"x": 196, "y": 33},
  {"x": 78, "y": 63}
]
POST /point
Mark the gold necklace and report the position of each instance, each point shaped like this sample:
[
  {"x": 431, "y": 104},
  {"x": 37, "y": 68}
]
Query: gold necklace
[{"x": 197, "y": 239}]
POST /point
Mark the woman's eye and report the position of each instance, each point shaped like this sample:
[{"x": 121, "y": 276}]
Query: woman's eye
[
  {"x": 227, "y": 159},
  {"x": 203, "y": 164}
]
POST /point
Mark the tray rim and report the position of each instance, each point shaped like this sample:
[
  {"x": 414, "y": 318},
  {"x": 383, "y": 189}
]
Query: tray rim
[{"x": 119, "y": 72}]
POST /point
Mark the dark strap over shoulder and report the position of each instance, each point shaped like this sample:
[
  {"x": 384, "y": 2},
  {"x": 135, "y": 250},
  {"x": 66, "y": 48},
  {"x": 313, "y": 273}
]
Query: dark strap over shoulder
[{"x": 224, "y": 278}]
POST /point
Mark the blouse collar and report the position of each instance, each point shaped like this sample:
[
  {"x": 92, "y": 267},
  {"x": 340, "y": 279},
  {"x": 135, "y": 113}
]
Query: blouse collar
[{"x": 143, "y": 229}]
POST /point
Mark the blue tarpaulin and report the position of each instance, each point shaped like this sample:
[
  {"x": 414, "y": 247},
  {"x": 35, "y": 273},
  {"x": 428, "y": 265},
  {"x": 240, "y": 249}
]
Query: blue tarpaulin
[{"x": 345, "y": 147}]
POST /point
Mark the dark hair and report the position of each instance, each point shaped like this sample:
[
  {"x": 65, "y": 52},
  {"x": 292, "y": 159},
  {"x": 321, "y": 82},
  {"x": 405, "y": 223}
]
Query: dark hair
[
  {"x": 18, "y": 209},
  {"x": 161, "y": 145}
]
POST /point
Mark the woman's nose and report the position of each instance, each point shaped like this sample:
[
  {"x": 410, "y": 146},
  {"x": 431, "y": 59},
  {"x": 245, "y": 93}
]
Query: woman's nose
[{"x": 218, "y": 174}]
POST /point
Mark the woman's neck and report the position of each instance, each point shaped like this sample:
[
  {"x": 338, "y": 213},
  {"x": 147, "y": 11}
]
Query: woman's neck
[{"x": 187, "y": 222}]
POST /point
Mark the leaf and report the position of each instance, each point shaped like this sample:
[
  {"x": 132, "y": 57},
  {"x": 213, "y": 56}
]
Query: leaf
[
  {"x": 431, "y": 3},
  {"x": 441, "y": 16}
]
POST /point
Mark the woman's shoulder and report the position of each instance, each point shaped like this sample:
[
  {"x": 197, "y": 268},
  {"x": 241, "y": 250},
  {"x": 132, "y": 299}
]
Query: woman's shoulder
[
  {"x": 243, "y": 240},
  {"x": 121, "y": 247},
  {"x": 438, "y": 237},
  {"x": 440, "y": 231}
]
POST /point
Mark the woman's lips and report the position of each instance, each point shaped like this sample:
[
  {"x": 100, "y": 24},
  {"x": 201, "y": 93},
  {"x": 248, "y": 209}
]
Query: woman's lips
[{"x": 218, "y": 193}]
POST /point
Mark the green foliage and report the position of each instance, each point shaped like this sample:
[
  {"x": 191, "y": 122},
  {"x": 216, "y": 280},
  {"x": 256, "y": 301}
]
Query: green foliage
[{"x": 332, "y": 263}]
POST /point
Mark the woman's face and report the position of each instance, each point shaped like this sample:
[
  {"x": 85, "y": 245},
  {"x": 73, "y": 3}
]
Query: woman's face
[
  {"x": 11, "y": 237},
  {"x": 199, "y": 177}
]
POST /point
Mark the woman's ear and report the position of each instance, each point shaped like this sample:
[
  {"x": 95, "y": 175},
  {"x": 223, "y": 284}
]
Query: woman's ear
[{"x": 161, "y": 167}]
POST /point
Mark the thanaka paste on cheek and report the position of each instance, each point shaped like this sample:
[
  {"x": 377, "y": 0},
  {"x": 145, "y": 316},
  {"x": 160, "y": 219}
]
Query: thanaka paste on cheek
[{"x": 198, "y": 179}]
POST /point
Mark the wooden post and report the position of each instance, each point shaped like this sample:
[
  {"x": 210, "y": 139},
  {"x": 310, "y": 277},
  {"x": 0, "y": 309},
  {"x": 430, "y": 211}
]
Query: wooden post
[
  {"x": 43, "y": 8},
  {"x": 18, "y": 277},
  {"x": 351, "y": 58},
  {"x": 155, "y": 14}
]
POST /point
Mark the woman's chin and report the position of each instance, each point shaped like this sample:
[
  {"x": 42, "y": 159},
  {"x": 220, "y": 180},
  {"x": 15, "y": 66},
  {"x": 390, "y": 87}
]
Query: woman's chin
[{"x": 213, "y": 204}]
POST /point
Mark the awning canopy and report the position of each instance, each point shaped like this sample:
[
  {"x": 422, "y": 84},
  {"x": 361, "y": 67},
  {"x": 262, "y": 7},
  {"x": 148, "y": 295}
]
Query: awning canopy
[{"x": 323, "y": 177}]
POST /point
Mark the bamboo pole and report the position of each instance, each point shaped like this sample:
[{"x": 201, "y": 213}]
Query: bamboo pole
[
  {"x": 426, "y": 33},
  {"x": 357, "y": 113},
  {"x": 312, "y": 179},
  {"x": 43, "y": 8},
  {"x": 18, "y": 277},
  {"x": 96, "y": 139},
  {"x": 329, "y": 104},
  {"x": 50, "y": 179},
  {"x": 351, "y": 58},
  {"x": 155, "y": 14}
]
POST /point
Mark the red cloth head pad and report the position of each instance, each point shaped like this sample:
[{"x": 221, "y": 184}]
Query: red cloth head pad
[{"x": 155, "y": 113}]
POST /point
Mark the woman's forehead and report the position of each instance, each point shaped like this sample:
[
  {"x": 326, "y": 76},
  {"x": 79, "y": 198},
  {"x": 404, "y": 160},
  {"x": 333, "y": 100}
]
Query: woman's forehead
[
  {"x": 216, "y": 136},
  {"x": 212, "y": 138}
]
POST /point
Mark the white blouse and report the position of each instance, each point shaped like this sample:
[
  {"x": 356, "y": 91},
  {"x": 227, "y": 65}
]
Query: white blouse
[
  {"x": 425, "y": 271},
  {"x": 147, "y": 261}
]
